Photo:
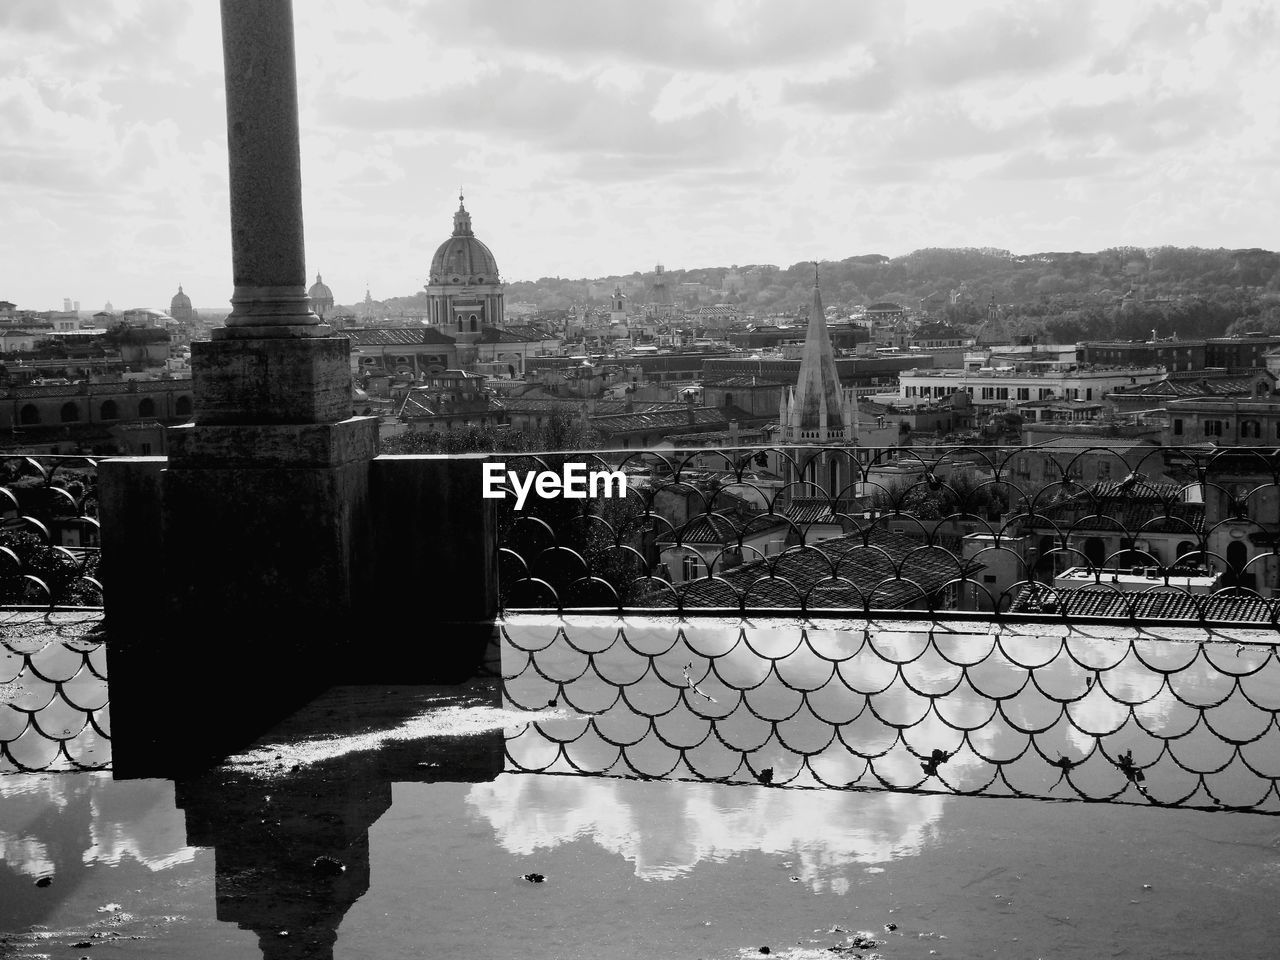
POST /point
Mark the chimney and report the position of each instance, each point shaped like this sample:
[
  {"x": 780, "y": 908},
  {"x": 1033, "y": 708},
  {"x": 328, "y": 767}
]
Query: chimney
[{"x": 733, "y": 433}]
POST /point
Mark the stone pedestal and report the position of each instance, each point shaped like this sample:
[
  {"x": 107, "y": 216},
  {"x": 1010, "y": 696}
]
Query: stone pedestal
[
  {"x": 279, "y": 380},
  {"x": 241, "y": 569}
]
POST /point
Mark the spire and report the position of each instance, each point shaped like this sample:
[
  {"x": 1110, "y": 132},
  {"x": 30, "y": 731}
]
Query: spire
[
  {"x": 818, "y": 408},
  {"x": 461, "y": 219}
]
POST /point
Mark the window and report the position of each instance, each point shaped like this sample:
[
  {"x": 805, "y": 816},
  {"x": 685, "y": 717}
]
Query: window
[
  {"x": 1104, "y": 469},
  {"x": 109, "y": 410},
  {"x": 30, "y": 414},
  {"x": 70, "y": 413},
  {"x": 1024, "y": 393},
  {"x": 146, "y": 449},
  {"x": 1177, "y": 428},
  {"x": 1213, "y": 428},
  {"x": 1002, "y": 393},
  {"x": 988, "y": 393},
  {"x": 146, "y": 407},
  {"x": 1088, "y": 393}
]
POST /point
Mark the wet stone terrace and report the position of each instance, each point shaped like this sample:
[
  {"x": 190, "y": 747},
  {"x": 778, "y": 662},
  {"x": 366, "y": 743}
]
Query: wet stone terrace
[{"x": 656, "y": 787}]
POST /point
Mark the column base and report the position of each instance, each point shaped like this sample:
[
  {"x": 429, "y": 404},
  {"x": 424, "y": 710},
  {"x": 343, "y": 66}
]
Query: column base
[{"x": 281, "y": 380}]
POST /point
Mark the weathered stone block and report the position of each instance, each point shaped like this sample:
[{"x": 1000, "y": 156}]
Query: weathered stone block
[
  {"x": 434, "y": 534},
  {"x": 284, "y": 380},
  {"x": 274, "y": 445}
]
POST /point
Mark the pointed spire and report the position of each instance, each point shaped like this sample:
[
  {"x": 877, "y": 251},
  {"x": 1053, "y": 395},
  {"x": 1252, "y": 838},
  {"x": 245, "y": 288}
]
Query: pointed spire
[{"x": 818, "y": 406}]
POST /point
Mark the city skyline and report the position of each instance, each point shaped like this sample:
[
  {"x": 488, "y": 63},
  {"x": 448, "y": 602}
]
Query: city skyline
[{"x": 598, "y": 139}]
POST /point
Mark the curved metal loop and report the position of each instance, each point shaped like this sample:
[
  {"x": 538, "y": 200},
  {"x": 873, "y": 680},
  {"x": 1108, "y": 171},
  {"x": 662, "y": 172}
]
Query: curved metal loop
[
  {"x": 1036, "y": 712},
  {"x": 1196, "y": 520}
]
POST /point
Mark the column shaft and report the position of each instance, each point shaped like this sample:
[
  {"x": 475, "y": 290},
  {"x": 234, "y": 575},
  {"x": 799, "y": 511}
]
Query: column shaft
[{"x": 267, "y": 251}]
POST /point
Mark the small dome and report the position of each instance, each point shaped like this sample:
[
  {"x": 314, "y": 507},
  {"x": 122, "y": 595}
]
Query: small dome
[
  {"x": 463, "y": 258},
  {"x": 320, "y": 291}
]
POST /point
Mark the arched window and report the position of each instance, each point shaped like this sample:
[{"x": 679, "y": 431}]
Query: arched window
[
  {"x": 109, "y": 411},
  {"x": 146, "y": 407},
  {"x": 30, "y": 414},
  {"x": 70, "y": 413},
  {"x": 728, "y": 400},
  {"x": 183, "y": 406},
  {"x": 1095, "y": 552}
]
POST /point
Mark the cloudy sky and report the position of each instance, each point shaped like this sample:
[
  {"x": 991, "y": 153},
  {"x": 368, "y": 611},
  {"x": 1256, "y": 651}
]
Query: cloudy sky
[{"x": 597, "y": 137}]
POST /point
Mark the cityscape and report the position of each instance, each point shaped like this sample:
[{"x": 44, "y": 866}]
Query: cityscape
[{"x": 598, "y": 480}]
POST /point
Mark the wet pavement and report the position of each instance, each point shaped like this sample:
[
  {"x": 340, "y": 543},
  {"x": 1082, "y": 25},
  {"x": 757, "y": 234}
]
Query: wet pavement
[{"x": 394, "y": 821}]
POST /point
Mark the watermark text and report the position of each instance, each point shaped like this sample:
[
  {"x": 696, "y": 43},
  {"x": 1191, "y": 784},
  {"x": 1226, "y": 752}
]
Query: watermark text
[{"x": 573, "y": 482}]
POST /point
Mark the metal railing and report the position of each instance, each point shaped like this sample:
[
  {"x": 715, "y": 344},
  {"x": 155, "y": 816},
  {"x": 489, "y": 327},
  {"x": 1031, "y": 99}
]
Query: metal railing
[
  {"x": 1174, "y": 718},
  {"x": 54, "y": 712},
  {"x": 49, "y": 533},
  {"x": 1078, "y": 534}
]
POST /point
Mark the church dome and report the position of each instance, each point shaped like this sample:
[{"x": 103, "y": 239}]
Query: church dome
[
  {"x": 320, "y": 290},
  {"x": 179, "y": 302},
  {"x": 463, "y": 259}
]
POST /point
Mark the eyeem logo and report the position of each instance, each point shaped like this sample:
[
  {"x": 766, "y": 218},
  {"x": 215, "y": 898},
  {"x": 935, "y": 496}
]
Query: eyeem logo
[{"x": 574, "y": 482}]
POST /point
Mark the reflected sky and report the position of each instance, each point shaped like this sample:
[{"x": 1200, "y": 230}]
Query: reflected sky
[{"x": 666, "y": 829}]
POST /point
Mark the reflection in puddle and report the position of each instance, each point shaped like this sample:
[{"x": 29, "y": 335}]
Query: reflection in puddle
[{"x": 666, "y": 829}]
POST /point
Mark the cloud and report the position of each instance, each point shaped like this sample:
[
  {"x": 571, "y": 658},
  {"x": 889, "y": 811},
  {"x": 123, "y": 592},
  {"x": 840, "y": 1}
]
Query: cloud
[
  {"x": 713, "y": 36},
  {"x": 613, "y": 132},
  {"x": 989, "y": 46}
]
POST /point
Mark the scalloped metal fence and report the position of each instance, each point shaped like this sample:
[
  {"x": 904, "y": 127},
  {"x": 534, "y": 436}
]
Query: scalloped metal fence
[
  {"x": 54, "y": 708},
  {"x": 49, "y": 533},
  {"x": 1074, "y": 534},
  {"x": 1173, "y": 718}
]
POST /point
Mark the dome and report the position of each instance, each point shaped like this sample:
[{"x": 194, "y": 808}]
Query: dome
[
  {"x": 320, "y": 291},
  {"x": 180, "y": 301},
  {"x": 463, "y": 258}
]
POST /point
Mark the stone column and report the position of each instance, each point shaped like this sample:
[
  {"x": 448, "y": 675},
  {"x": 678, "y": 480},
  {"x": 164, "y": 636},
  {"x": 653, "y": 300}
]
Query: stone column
[
  {"x": 267, "y": 261},
  {"x": 262, "y": 514}
]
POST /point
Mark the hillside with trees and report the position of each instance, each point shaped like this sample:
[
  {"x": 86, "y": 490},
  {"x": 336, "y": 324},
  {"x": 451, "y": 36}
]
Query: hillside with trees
[{"x": 1122, "y": 292}]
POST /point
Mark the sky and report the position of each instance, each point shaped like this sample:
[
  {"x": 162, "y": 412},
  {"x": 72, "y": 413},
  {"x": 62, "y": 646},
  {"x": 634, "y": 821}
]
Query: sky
[{"x": 599, "y": 137}]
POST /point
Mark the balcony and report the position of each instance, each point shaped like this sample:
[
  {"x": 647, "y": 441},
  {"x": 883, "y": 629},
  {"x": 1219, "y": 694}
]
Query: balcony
[
  {"x": 849, "y": 710},
  {"x": 299, "y": 700}
]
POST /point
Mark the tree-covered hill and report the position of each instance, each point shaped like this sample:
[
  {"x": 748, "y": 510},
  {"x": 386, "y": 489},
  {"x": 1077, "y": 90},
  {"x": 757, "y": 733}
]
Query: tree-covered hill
[{"x": 1120, "y": 291}]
